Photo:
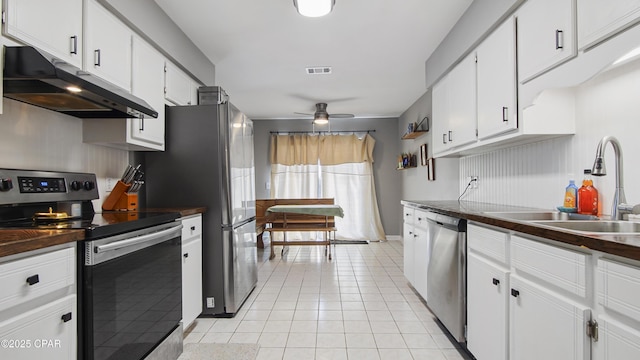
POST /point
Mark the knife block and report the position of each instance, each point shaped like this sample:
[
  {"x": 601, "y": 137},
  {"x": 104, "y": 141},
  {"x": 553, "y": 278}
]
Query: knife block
[{"x": 119, "y": 199}]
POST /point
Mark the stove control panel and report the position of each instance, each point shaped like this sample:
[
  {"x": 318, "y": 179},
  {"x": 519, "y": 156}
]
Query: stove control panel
[{"x": 29, "y": 186}]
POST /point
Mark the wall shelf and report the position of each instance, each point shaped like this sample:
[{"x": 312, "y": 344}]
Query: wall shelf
[
  {"x": 406, "y": 167},
  {"x": 414, "y": 135}
]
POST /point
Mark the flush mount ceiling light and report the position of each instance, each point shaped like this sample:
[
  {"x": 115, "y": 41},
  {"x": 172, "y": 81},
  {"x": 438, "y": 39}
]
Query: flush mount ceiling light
[
  {"x": 321, "y": 118},
  {"x": 314, "y": 8}
]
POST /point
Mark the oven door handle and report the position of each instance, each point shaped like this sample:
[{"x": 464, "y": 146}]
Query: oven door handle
[{"x": 139, "y": 239}]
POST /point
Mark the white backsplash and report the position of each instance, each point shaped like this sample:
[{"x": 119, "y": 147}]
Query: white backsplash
[
  {"x": 37, "y": 139},
  {"x": 536, "y": 174}
]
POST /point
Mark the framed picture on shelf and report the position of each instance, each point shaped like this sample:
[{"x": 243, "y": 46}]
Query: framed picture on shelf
[
  {"x": 431, "y": 170},
  {"x": 423, "y": 154}
]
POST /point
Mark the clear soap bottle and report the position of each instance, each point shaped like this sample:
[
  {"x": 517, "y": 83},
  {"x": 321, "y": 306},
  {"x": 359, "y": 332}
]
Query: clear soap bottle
[{"x": 571, "y": 195}]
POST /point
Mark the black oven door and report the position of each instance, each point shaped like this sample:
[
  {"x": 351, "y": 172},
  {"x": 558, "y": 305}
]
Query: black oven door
[{"x": 131, "y": 294}]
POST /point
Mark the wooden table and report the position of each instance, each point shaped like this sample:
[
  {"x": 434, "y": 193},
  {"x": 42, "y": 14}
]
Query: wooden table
[{"x": 303, "y": 218}]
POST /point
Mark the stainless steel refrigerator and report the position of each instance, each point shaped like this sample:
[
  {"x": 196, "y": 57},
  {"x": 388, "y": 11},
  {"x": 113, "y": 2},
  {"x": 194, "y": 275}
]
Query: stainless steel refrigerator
[{"x": 209, "y": 161}]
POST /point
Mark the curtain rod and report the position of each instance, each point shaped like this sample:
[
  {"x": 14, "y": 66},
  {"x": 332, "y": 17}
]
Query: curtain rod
[{"x": 321, "y": 131}]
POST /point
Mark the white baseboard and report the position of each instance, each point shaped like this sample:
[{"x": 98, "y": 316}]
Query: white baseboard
[{"x": 394, "y": 237}]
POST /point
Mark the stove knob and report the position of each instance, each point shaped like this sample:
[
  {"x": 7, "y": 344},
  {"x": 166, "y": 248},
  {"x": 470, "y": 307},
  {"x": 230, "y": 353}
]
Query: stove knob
[
  {"x": 76, "y": 185},
  {"x": 6, "y": 184},
  {"x": 88, "y": 185}
]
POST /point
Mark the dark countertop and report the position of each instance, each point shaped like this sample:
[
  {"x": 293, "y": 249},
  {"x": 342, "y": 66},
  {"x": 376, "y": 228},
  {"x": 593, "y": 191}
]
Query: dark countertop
[
  {"x": 627, "y": 246},
  {"x": 15, "y": 241}
]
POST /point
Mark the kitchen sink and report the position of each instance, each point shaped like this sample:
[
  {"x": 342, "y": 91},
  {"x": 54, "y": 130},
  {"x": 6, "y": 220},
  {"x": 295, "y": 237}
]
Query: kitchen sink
[{"x": 597, "y": 227}]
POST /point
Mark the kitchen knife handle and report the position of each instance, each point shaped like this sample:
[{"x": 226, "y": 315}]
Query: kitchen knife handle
[
  {"x": 96, "y": 57},
  {"x": 74, "y": 45}
]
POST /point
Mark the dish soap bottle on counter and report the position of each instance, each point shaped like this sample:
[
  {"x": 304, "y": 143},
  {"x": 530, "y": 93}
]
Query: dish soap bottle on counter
[
  {"x": 587, "y": 196},
  {"x": 571, "y": 195}
]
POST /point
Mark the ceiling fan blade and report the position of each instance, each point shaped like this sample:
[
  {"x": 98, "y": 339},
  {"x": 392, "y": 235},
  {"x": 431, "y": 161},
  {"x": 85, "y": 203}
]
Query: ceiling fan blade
[
  {"x": 341, "y": 116},
  {"x": 299, "y": 113}
]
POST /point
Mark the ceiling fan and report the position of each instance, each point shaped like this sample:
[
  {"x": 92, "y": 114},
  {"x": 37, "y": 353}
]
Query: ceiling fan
[{"x": 321, "y": 116}]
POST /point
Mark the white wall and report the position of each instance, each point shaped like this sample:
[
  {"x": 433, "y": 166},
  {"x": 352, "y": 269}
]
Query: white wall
[
  {"x": 415, "y": 185},
  {"x": 37, "y": 139},
  {"x": 536, "y": 174}
]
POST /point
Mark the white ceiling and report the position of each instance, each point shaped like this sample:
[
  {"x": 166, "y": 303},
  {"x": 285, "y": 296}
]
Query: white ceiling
[{"x": 377, "y": 50}]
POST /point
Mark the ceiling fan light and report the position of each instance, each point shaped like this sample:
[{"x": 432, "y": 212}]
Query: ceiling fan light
[
  {"x": 321, "y": 121},
  {"x": 314, "y": 8},
  {"x": 321, "y": 118}
]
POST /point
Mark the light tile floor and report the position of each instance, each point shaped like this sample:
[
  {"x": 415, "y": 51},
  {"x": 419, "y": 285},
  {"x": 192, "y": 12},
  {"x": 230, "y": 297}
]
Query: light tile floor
[{"x": 356, "y": 306}]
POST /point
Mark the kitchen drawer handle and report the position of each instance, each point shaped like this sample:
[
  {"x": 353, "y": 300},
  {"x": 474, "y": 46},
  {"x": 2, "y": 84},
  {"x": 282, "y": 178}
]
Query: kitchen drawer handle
[
  {"x": 559, "y": 38},
  {"x": 34, "y": 279},
  {"x": 74, "y": 45},
  {"x": 444, "y": 138},
  {"x": 185, "y": 255},
  {"x": 496, "y": 281},
  {"x": 193, "y": 228},
  {"x": 515, "y": 293},
  {"x": 505, "y": 114},
  {"x": 415, "y": 235},
  {"x": 96, "y": 57},
  {"x": 66, "y": 317}
]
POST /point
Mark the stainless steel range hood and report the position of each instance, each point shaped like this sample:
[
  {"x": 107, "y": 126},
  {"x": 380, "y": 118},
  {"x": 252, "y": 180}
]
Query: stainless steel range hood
[{"x": 30, "y": 77}]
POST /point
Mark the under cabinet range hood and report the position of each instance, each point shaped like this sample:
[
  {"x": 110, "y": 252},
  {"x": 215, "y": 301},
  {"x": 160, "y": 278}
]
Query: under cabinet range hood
[{"x": 30, "y": 77}]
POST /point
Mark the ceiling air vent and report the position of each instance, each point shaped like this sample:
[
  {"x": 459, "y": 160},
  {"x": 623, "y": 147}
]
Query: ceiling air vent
[{"x": 319, "y": 70}]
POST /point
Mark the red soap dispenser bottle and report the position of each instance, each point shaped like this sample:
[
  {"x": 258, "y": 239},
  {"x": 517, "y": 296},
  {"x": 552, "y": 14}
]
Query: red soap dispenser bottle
[{"x": 587, "y": 196}]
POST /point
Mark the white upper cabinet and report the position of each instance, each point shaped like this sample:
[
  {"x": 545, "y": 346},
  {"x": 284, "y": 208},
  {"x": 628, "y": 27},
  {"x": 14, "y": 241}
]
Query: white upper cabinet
[
  {"x": 598, "y": 19},
  {"x": 107, "y": 46},
  {"x": 148, "y": 84},
  {"x": 546, "y": 36},
  {"x": 180, "y": 88},
  {"x": 454, "y": 107},
  {"x": 52, "y": 26},
  {"x": 496, "y": 71}
]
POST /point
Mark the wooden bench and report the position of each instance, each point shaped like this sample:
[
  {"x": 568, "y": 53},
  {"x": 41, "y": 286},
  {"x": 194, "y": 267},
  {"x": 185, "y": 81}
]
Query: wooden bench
[{"x": 287, "y": 222}]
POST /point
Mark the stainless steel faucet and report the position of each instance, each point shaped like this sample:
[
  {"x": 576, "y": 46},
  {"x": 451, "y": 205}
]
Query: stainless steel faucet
[{"x": 599, "y": 169}]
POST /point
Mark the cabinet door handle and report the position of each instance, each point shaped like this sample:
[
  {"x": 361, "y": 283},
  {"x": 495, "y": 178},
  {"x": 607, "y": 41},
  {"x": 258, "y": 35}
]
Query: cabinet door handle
[
  {"x": 505, "y": 114},
  {"x": 33, "y": 279},
  {"x": 559, "y": 39},
  {"x": 444, "y": 138},
  {"x": 193, "y": 228},
  {"x": 74, "y": 45},
  {"x": 450, "y": 138},
  {"x": 66, "y": 317},
  {"x": 415, "y": 235},
  {"x": 141, "y": 128},
  {"x": 496, "y": 281},
  {"x": 515, "y": 293},
  {"x": 96, "y": 57},
  {"x": 186, "y": 255}
]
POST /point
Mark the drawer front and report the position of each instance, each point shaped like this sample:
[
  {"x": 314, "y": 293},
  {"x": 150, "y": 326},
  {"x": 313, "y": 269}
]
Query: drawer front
[
  {"x": 420, "y": 218},
  {"x": 407, "y": 214},
  {"x": 191, "y": 226},
  {"x": 488, "y": 242},
  {"x": 46, "y": 332},
  {"x": 563, "y": 268},
  {"x": 26, "y": 279},
  {"x": 618, "y": 287}
]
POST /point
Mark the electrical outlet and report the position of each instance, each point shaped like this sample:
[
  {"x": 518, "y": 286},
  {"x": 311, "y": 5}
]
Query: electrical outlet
[
  {"x": 111, "y": 182},
  {"x": 474, "y": 181}
]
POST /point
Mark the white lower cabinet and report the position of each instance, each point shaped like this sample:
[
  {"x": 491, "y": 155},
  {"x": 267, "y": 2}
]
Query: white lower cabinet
[
  {"x": 191, "y": 269},
  {"x": 46, "y": 332},
  {"x": 618, "y": 301},
  {"x": 409, "y": 238},
  {"x": 487, "y": 308},
  {"x": 416, "y": 249},
  {"x": 38, "y": 305},
  {"x": 421, "y": 261},
  {"x": 545, "y": 325}
]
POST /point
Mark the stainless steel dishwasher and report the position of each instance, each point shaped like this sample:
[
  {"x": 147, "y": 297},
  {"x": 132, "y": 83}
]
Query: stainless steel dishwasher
[{"x": 447, "y": 272}]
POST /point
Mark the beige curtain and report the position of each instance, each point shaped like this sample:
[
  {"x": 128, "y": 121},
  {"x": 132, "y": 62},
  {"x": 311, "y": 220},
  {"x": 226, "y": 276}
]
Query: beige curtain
[{"x": 345, "y": 173}]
